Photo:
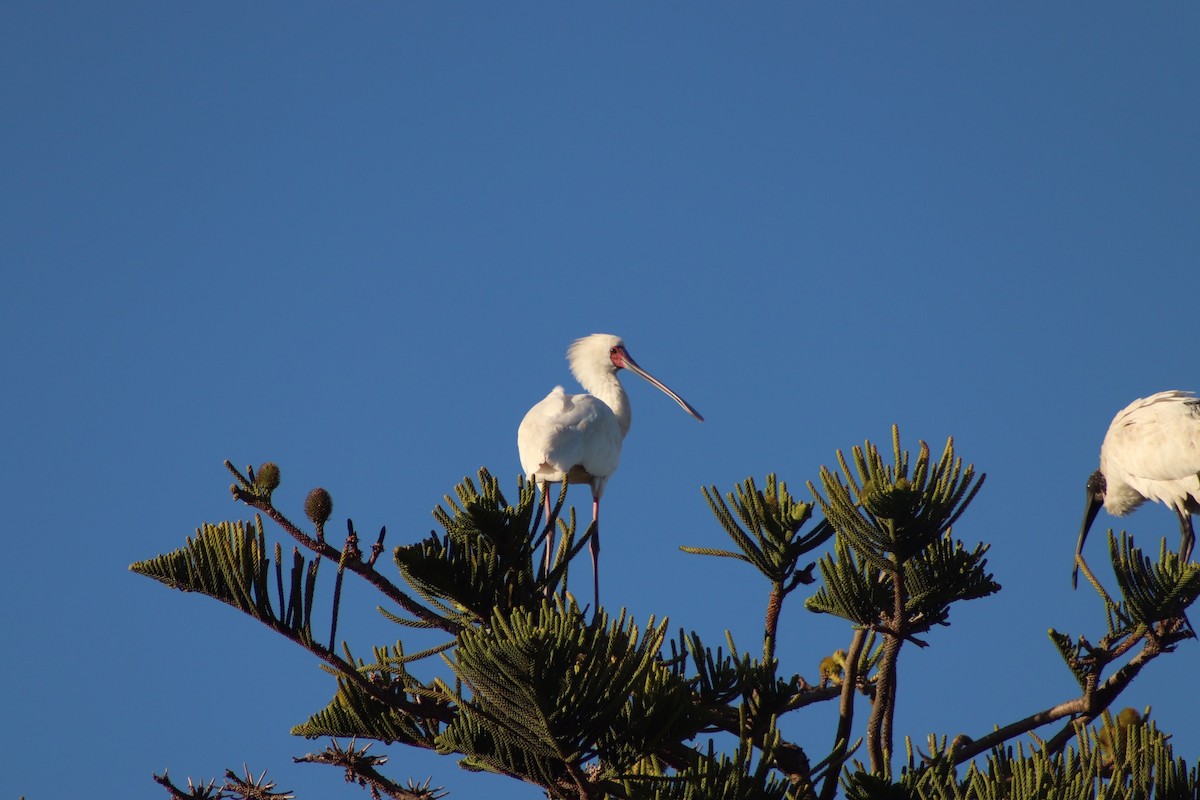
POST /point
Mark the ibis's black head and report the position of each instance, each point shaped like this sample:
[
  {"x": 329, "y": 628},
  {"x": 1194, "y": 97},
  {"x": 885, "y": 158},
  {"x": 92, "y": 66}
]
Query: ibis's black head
[{"x": 1096, "y": 487}]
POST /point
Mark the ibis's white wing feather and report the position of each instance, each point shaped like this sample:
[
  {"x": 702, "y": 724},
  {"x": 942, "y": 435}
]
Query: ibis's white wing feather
[{"x": 1153, "y": 446}]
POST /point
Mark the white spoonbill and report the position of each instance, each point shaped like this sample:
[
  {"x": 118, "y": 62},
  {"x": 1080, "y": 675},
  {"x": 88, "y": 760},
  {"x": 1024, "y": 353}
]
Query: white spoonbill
[
  {"x": 577, "y": 437},
  {"x": 1151, "y": 452}
]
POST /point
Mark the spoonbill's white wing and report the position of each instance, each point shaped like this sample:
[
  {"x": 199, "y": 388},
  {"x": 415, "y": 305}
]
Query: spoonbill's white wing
[{"x": 564, "y": 432}]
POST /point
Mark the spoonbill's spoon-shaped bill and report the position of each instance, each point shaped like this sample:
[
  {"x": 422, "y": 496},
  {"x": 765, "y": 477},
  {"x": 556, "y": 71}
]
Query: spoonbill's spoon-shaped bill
[{"x": 628, "y": 363}]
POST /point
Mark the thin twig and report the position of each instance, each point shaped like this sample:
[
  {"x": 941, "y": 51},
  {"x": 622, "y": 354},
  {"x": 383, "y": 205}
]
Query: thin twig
[
  {"x": 358, "y": 566},
  {"x": 841, "y": 742},
  {"x": 348, "y": 550},
  {"x": 377, "y": 548}
]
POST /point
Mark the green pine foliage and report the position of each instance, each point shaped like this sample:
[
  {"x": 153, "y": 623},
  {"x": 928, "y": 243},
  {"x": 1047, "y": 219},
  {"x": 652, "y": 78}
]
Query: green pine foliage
[
  {"x": 547, "y": 693},
  {"x": 773, "y": 545},
  {"x": 393, "y": 706},
  {"x": 357, "y": 714},
  {"x": 1152, "y": 591},
  {"x": 850, "y": 588},
  {"x": 741, "y": 776},
  {"x": 1113, "y": 762},
  {"x": 515, "y": 679},
  {"x": 228, "y": 562}
]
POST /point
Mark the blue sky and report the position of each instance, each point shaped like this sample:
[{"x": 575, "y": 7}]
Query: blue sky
[{"x": 356, "y": 239}]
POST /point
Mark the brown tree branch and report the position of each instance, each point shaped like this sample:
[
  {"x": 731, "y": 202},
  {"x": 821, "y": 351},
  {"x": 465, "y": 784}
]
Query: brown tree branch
[
  {"x": 841, "y": 742},
  {"x": 365, "y": 569},
  {"x": 1091, "y": 703}
]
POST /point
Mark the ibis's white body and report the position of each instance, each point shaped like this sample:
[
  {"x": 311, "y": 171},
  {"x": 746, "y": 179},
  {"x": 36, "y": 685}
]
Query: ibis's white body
[
  {"x": 1152, "y": 452},
  {"x": 577, "y": 437}
]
